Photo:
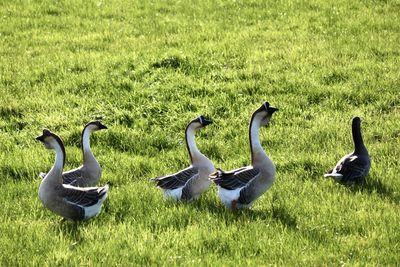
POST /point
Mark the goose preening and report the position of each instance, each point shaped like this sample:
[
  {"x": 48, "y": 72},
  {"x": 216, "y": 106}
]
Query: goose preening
[
  {"x": 189, "y": 183},
  {"x": 74, "y": 203},
  {"x": 90, "y": 172},
  {"x": 353, "y": 167},
  {"x": 241, "y": 187}
]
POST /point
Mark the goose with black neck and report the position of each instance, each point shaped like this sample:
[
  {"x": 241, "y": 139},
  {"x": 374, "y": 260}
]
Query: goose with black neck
[{"x": 352, "y": 168}]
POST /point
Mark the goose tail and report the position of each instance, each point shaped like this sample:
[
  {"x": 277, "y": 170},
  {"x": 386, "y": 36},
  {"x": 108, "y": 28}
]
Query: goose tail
[
  {"x": 158, "y": 181},
  {"x": 95, "y": 209},
  {"x": 334, "y": 175},
  {"x": 215, "y": 176},
  {"x": 155, "y": 179},
  {"x": 103, "y": 192}
]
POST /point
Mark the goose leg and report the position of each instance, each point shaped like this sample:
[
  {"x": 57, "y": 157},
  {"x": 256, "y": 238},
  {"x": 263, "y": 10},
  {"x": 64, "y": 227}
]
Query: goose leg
[{"x": 234, "y": 205}]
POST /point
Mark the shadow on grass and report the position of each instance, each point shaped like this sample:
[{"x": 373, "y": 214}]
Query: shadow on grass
[
  {"x": 278, "y": 213},
  {"x": 223, "y": 214},
  {"x": 376, "y": 185},
  {"x": 281, "y": 214},
  {"x": 70, "y": 230}
]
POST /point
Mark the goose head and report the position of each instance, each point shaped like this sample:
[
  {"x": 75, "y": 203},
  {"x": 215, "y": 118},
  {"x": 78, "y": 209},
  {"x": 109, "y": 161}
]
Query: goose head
[
  {"x": 94, "y": 126},
  {"x": 265, "y": 113},
  {"x": 200, "y": 122},
  {"x": 356, "y": 122},
  {"x": 49, "y": 139}
]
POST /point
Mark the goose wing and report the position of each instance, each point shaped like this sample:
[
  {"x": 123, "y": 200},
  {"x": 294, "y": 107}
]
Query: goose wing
[
  {"x": 70, "y": 177},
  {"x": 176, "y": 180},
  {"x": 234, "y": 179},
  {"x": 333, "y": 172},
  {"x": 84, "y": 197},
  {"x": 352, "y": 168},
  {"x": 232, "y": 171}
]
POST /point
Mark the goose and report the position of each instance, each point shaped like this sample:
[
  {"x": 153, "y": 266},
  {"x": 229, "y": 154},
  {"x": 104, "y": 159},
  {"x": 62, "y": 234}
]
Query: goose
[
  {"x": 90, "y": 172},
  {"x": 70, "y": 202},
  {"x": 353, "y": 167},
  {"x": 238, "y": 189},
  {"x": 189, "y": 183}
]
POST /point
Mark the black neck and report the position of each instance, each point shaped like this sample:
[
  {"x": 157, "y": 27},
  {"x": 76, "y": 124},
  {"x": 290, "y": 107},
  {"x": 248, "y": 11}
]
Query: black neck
[{"x": 357, "y": 137}]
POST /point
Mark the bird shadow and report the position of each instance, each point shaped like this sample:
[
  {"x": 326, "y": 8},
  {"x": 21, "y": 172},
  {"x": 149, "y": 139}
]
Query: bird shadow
[
  {"x": 70, "y": 230},
  {"x": 372, "y": 185},
  {"x": 282, "y": 215},
  {"x": 224, "y": 214},
  {"x": 277, "y": 212}
]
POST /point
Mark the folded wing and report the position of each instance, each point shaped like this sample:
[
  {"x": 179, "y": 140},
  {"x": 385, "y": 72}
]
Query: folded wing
[
  {"x": 70, "y": 177},
  {"x": 84, "y": 197},
  {"x": 176, "y": 180},
  {"x": 352, "y": 168},
  {"x": 234, "y": 179}
]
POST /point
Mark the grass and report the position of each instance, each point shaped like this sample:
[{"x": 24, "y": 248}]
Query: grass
[{"x": 146, "y": 69}]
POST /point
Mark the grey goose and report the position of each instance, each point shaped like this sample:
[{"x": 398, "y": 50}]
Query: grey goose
[
  {"x": 353, "y": 168},
  {"x": 89, "y": 173},
  {"x": 239, "y": 188},
  {"x": 70, "y": 202},
  {"x": 189, "y": 183}
]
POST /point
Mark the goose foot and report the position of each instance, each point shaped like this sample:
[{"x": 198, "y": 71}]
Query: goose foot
[{"x": 234, "y": 205}]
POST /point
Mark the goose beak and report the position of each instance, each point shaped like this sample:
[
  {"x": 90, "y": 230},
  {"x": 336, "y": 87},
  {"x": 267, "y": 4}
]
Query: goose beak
[
  {"x": 271, "y": 110},
  {"x": 102, "y": 126},
  {"x": 206, "y": 122},
  {"x": 40, "y": 138}
]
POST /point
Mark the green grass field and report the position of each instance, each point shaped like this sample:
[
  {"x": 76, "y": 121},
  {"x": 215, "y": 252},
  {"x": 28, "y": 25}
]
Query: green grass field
[{"x": 146, "y": 69}]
